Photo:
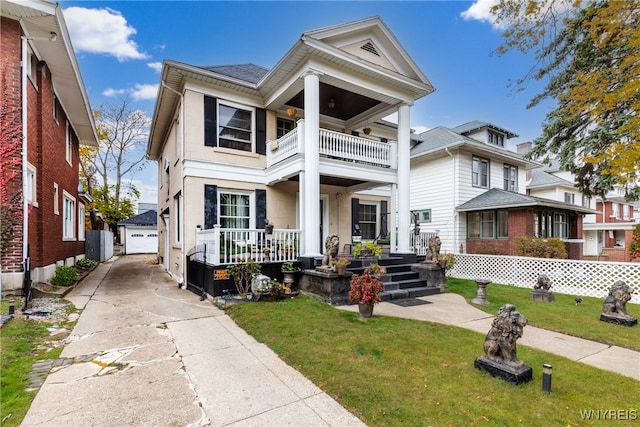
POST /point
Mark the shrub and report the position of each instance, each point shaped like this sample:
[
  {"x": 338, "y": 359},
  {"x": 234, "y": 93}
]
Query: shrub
[
  {"x": 87, "y": 263},
  {"x": 539, "y": 247},
  {"x": 64, "y": 276},
  {"x": 365, "y": 288},
  {"x": 488, "y": 250},
  {"x": 243, "y": 273},
  {"x": 634, "y": 247}
]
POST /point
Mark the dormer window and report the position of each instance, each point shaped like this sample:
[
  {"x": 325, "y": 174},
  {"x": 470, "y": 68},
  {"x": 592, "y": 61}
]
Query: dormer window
[{"x": 496, "y": 139}]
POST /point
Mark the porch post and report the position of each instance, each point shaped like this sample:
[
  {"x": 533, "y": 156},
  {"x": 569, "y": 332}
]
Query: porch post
[
  {"x": 393, "y": 218},
  {"x": 311, "y": 193},
  {"x": 404, "y": 147}
]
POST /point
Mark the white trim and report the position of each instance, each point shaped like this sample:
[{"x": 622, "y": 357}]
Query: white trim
[
  {"x": 66, "y": 221},
  {"x": 202, "y": 169},
  {"x": 68, "y": 144},
  {"x": 32, "y": 185},
  {"x": 81, "y": 222},
  {"x": 56, "y": 199}
]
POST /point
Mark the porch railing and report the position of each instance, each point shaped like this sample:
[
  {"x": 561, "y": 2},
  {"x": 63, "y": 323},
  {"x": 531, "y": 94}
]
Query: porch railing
[
  {"x": 333, "y": 144},
  {"x": 233, "y": 245},
  {"x": 420, "y": 243}
]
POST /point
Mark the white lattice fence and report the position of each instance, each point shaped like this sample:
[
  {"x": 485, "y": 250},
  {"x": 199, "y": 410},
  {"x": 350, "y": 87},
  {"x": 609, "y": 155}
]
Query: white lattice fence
[{"x": 586, "y": 278}]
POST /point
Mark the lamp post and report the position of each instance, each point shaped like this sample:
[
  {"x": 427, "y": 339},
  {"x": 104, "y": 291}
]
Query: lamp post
[{"x": 546, "y": 377}]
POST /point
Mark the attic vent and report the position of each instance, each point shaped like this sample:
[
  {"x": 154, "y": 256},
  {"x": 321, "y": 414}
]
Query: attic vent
[{"x": 369, "y": 47}]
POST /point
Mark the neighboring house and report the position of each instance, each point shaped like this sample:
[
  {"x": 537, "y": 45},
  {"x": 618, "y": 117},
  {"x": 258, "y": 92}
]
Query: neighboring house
[
  {"x": 470, "y": 189},
  {"x": 42, "y": 78},
  {"x": 139, "y": 234},
  {"x": 300, "y": 145},
  {"x": 607, "y": 230},
  {"x": 143, "y": 207}
]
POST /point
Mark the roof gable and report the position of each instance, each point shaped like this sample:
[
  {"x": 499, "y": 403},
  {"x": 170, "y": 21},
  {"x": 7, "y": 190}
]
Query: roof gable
[
  {"x": 474, "y": 125},
  {"x": 147, "y": 218},
  {"x": 369, "y": 40},
  {"x": 496, "y": 198}
]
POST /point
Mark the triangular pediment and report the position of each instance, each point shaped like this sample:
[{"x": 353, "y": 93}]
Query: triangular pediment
[{"x": 371, "y": 41}]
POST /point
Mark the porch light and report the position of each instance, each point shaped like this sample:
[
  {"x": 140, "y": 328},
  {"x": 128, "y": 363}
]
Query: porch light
[
  {"x": 291, "y": 112},
  {"x": 332, "y": 103}
]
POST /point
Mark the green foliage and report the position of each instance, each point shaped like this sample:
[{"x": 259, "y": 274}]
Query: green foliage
[
  {"x": 87, "y": 263},
  {"x": 539, "y": 247},
  {"x": 367, "y": 249},
  {"x": 487, "y": 250},
  {"x": 634, "y": 247},
  {"x": 288, "y": 266},
  {"x": 243, "y": 273},
  {"x": 64, "y": 276},
  {"x": 362, "y": 364},
  {"x": 104, "y": 201},
  {"x": 589, "y": 54}
]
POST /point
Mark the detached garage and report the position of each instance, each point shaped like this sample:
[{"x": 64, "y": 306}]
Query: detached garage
[{"x": 139, "y": 235}]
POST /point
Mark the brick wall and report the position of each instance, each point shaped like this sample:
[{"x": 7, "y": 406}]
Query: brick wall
[
  {"x": 46, "y": 152},
  {"x": 10, "y": 76}
]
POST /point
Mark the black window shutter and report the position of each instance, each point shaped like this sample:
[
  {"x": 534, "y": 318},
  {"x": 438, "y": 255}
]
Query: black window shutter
[
  {"x": 384, "y": 218},
  {"x": 261, "y": 131},
  {"x": 210, "y": 122},
  {"x": 210, "y": 206},
  {"x": 355, "y": 217},
  {"x": 261, "y": 208}
]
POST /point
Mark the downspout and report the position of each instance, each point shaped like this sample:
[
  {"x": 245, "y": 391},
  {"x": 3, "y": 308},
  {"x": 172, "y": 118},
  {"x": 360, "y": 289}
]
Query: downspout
[
  {"x": 25, "y": 205},
  {"x": 453, "y": 207},
  {"x": 181, "y": 199}
]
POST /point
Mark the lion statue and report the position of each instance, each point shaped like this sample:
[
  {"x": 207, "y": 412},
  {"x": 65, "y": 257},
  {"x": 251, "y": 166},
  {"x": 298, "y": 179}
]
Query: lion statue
[
  {"x": 500, "y": 342},
  {"x": 544, "y": 283},
  {"x": 434, "y": 248},
  {"x": 615, "y": 303},
  {"x": 331, "y": 246}
]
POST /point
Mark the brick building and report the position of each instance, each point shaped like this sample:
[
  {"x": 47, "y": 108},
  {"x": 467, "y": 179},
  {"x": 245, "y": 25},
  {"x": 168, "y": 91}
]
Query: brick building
[{"x": 46, "y": 116}]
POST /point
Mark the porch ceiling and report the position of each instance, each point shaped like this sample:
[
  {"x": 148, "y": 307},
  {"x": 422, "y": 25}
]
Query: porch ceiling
[
  {"x": 347, "y": 104},
  {"x": 333, "y": 180}
]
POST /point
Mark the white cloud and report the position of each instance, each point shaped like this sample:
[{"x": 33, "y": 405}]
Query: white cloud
[
  {"x": 155, "y": 66},
  {"x": 110, "y": 92},
  {"x": 142, "y": 92},
  {"x": 102, "y": 31},
  {"x": 481, "y": 11}
]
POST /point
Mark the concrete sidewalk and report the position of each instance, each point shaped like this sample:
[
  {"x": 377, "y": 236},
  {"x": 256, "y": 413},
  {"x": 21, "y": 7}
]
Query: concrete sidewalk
[
  {"x": 452, "y": 309},
  {"x": 146, "y": 353}
]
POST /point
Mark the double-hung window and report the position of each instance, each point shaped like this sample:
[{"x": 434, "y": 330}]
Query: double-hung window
[
  {"x": 235, "y": 128},
  {"x": 488, "y": 225},
  {"x": 68, "y": 216},
  {"x": 368, "y": 220},
  {"x": 283, "y": 127},
  {"x": 480, "y": 172},
  {"x": 510, "y": 178},
  {"x": 235, "y": 210}
]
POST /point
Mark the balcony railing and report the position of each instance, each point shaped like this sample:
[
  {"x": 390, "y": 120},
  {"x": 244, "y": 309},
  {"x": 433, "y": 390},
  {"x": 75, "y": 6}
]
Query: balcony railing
[
  {"x": 334, "y": 145},
  {"x": 232, "y": 245}
]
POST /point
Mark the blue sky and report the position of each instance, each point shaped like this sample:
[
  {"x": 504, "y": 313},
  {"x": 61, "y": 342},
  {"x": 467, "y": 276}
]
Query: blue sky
[{"x": 120, "y": 46}]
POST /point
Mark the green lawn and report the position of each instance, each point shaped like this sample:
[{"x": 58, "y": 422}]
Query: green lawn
[
  {"x": 400, "y": 372},
  {"x": 563, "y": 315}
]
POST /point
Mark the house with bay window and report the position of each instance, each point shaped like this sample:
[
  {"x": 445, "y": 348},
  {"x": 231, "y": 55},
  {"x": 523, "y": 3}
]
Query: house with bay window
[
  {"x": 269, "y": 162},
  {"x": 471, "y": 190},
  {"x": 46, "y": 116}
]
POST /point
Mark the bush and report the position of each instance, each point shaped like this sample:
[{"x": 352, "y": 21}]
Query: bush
[
  {"x": 87, "y": 263},
  {"x": 538, "y": 247},
  {"x": 634, "y": 247},
  {"x": 64, "y": 276}
]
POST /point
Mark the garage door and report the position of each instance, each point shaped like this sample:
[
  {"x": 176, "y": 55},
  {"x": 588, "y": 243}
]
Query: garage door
[{"x": 139, "y": 241}]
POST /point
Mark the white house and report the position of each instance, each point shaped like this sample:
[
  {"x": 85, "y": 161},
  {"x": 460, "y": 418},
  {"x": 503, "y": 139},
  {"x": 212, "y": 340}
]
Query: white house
[
  {"x": 300, "y": 146},
  {"x": 470, "y": 189}
]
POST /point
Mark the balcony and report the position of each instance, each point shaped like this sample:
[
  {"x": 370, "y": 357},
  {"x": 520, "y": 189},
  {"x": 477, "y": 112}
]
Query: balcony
[{"x": 334, "y": 145}]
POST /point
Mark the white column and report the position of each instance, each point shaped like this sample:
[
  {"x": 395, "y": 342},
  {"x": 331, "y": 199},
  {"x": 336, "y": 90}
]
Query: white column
[
  {"x": 393, "y": 219},
  {"x": 404, "y": 146},
  {"x": 311, "y": 194}
]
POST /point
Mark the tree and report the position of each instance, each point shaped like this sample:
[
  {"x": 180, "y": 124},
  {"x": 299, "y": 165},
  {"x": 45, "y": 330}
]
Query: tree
[
  {"x": 122, "y": 134},
  {"x": 589, "y": 54}
]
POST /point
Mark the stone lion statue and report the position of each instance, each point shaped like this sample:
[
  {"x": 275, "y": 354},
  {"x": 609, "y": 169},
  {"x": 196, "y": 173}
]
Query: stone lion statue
[
  {"x": 500, "y": 342},
  {"x": 544, "y": 283},
  {"x": 615, "y": 304},
  {"x": 331, "y": 248},
  {"x": 434, "y": 247}
]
